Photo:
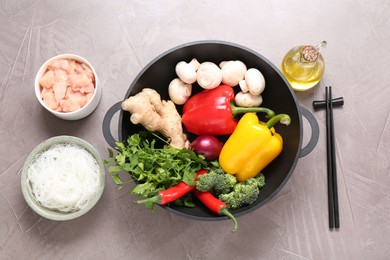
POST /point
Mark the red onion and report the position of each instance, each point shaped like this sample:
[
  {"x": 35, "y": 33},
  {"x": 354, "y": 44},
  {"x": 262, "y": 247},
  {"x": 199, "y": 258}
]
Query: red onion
[{"x": 208, "y": 146}]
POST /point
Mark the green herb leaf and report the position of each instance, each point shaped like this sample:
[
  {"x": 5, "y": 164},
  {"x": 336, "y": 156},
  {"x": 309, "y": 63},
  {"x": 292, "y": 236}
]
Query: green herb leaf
[
  {"x": 154, "y": 164},
  {"x": 114, "y": 169},
  {"x": 189, "y": 178},
  {"x": 110, "y": 153},
  {"x": 117, "y": 180}
]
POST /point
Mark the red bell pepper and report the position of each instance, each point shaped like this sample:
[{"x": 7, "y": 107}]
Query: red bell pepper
[{"x": 212, "y": 112}]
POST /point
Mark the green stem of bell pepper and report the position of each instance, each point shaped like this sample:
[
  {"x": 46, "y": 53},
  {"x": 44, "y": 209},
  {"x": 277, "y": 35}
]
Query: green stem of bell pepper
[
  {"x": 242, "y": 110},
  {"x": 282, "y": 118}
]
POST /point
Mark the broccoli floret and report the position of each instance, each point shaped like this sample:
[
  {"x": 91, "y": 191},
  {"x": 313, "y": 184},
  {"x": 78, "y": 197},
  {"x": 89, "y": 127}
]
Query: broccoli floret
[
  {"x": 216, "y": 181},
  {"x": 244, "y": 193},
  {"x": 258, "y": 181}
]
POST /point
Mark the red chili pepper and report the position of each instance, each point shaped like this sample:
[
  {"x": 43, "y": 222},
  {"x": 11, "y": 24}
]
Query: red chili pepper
[
  {"x": 215, "y": 205},
  {"x": 173, "y": 193},
  {"x": 212, "y": 112}
]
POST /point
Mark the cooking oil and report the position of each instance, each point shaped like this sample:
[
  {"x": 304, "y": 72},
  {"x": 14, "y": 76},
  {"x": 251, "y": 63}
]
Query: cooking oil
[{"x": 303, "y": 66}]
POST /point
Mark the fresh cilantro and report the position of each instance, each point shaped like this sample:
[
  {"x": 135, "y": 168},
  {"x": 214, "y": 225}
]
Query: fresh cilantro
[{"x": 153, "y": 164}]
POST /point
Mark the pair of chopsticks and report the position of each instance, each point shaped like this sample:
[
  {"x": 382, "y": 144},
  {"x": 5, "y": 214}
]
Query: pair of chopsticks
[{"x": 333, "y": 204}]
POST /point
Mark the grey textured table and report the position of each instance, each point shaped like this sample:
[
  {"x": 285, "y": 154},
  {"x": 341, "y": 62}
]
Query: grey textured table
[{"x": 119, "y": 38}]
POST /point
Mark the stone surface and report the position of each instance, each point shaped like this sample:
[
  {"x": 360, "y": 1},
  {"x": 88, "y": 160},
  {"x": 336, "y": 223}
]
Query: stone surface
[{"x": 119, "y": 38}]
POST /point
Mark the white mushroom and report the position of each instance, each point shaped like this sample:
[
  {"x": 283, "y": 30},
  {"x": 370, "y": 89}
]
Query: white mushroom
[
  {"x": 248, "y": 100},
  {"x": 187, "y": 71},
  {"x": 209, "y": 75},
  {"x": 255, "y": 81},
  {"x": 232, "y": 72},
  {"x": 243, "y": 86},
  {"x": 222, "y": 63},
  {"x": 179, "y": 91}
]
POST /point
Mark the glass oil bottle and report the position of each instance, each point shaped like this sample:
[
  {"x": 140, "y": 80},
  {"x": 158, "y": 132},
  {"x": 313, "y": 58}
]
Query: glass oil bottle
[{"x": 303, "y": 66}]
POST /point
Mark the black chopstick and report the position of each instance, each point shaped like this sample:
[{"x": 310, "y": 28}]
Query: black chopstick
[
  {"x": 329, "y": 161},
  {"x": 333, "y": 205},
  {"x": 334, "y": 165}
]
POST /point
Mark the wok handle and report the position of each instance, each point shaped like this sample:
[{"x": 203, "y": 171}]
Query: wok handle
[
  {"x": 315, "y": 132},
  {"x": 107, "y": 122}
]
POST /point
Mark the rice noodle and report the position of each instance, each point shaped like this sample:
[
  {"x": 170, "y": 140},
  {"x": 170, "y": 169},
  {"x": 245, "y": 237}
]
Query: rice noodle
[{"x": 64, "y": 178}]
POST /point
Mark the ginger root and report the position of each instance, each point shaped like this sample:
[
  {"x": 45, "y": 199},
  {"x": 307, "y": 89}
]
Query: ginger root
[{"x": 154, "y": 114}]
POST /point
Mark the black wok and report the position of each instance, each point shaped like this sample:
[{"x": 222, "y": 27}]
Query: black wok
[{"x": 278, "y": 96}]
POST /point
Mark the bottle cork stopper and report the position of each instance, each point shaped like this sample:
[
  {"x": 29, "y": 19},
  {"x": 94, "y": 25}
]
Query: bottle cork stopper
[{"x": 309, "y": 54}]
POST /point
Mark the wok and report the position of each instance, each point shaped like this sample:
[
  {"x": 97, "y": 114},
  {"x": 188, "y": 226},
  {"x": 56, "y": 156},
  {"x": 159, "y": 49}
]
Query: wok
[{"x": 277, "y": 96}]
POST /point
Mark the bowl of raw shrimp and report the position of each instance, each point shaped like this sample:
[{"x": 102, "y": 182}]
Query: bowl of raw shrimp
[{"x": 67, "y": 86}]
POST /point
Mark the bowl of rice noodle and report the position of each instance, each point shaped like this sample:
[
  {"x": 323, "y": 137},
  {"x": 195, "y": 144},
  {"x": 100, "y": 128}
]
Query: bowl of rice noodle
[{"x": 63, "y": 178}]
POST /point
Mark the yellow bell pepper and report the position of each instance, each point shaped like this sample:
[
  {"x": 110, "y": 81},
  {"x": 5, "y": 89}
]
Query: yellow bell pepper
[{"x": 252, "y": 146}]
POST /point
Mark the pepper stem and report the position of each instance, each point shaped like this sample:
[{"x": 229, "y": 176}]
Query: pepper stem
[
  {"x": 225, "y": 211},
  {"x": 282, "y": 118},
  {"x": 155, "y": 200},
  {"x": 241, "y": 110}
]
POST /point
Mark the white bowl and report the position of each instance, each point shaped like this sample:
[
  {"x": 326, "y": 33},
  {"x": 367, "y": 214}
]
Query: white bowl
[
  {"x": 27, "y": 189},
  {"x": 86, "y": 109}
]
